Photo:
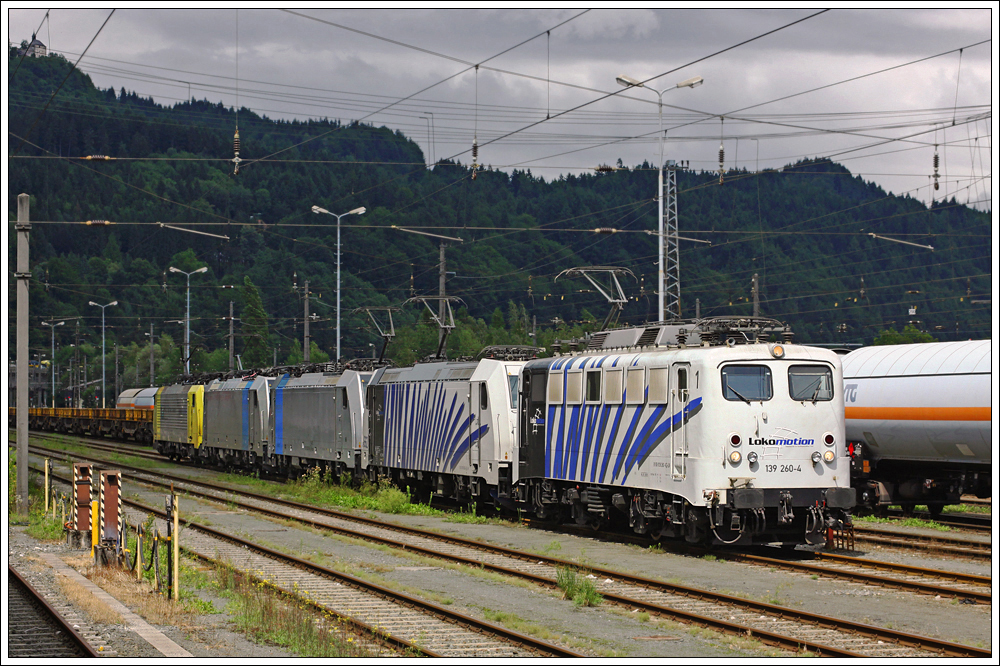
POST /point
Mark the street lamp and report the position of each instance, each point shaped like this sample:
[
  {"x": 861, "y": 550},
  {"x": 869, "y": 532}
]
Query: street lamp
[
  {"x": 356, "y": 211},
  {"x": 52, "y": 368},
  {"x": 629, "y": 82},
  {"x": 103, "y": 391},
  {"x": 187, "y": 317}
]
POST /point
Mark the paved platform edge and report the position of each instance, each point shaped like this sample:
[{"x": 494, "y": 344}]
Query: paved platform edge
[{"x": 143, "y": 629}]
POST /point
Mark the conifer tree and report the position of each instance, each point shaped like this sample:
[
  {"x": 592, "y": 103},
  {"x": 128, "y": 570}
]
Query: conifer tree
[{"x": 256, "y": 352}]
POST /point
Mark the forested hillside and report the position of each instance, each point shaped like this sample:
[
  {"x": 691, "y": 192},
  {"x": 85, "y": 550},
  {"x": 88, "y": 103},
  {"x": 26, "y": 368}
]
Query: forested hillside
[{"x": 803, "y": 230}]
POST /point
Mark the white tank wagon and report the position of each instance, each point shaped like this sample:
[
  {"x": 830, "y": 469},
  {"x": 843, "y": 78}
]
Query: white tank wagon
[
  {"x": 918, "y": 420},
  {"x": 720, "y": 442}
]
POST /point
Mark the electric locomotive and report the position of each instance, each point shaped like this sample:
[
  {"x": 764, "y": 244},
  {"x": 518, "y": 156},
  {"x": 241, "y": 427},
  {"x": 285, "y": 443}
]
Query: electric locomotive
[
  {"x": 447, "y": 428},
  {"x": 701, "y": 430}
]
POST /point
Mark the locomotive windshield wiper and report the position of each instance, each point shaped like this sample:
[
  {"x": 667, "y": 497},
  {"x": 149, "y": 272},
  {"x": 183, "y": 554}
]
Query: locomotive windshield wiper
[
  {"x": 738, "y": 394},
  {"x": 819, "y": 385}
]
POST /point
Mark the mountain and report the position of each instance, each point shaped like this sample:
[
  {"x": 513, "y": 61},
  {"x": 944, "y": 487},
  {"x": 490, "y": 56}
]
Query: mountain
[{"x": 804, "y": 230}]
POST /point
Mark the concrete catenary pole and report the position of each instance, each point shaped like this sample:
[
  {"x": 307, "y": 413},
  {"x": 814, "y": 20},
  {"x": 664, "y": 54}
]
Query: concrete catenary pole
[
  {"x": 305, "y": 325},
  {"x": 756, "y": 297},
  {"x": 152, "y": 368},
  {"x": 230, "y": 336},
  {"x": 21, "y": 372},
  {"x": 442, "y": 275}
]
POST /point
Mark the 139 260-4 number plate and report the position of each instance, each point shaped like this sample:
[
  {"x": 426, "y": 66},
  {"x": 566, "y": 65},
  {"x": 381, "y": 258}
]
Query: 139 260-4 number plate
[{"x": 783, "y": 468}]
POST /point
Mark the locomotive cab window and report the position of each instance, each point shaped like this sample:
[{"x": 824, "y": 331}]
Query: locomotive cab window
[
  {"x": 512, "y": 380},
  {"x": 810, "y": 382},
  {"x": 484, "y": 402},
  {"x": 594, "y": 385},
  {"x": 746, "y": 382},
  {"x": 682, "y": 384}
]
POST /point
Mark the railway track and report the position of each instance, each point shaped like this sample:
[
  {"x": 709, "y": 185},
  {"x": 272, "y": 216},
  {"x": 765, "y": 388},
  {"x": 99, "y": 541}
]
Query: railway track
[
  {"x": 930, "y": 543},
  {"x": 407, "y": 624},
  {"x": 776, "y": 625},
  {"x": 35, "y": 628}
]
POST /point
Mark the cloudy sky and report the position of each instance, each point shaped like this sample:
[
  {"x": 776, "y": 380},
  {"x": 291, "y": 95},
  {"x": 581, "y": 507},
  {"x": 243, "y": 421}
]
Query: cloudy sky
[{"x": 413, "y": 70}]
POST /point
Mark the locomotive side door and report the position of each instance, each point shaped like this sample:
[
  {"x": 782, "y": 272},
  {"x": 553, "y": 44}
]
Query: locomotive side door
[
  {"x": 376, "y": 415},
  {"x": 480, "y": 409},
  {"x": 531, "y": 442},
  {"x": 680, "y": 395}
]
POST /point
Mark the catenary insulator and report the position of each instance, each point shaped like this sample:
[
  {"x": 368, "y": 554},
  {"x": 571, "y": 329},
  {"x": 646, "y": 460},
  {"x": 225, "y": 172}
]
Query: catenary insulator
[{"x": 236, "y": 142}]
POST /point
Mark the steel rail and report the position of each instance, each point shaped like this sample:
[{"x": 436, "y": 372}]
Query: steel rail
[
  {"x": 929, "y": 545},
  {"x": 72, "y": 635},
  {"x": 956, "y": 576},
  {"x": 767, "y": 637},
  {"x": 869, "y": 578},
  {"x": 762, "y": 607},
  {"x": 430, "y": 608}
]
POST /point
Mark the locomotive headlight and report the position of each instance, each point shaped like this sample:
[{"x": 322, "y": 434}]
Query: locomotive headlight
[
  {"x": 816, "y": 457},
  {"x": 777, "y": 351},
  {"x": 752, "y": 457},
  {"x": 828, "y": 439},
  {"x": 735, "y": 457},
  {"x": 734, "y": 439},
  {"x": 829, "y": 456}
]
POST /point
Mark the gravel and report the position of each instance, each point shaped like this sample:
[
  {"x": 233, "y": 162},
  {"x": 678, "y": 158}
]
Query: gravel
[{"x": 601, "y": 631}]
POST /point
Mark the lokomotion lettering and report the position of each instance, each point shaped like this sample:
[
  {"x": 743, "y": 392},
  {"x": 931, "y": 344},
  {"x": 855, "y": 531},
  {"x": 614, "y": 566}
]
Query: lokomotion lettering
[{"x": 795, "y": 441}]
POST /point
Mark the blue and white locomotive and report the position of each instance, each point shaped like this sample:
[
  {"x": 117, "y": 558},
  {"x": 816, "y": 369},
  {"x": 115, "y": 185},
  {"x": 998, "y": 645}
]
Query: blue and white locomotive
[
  {"x": 693, "y": 430},
  {"x": 447, "y": 428}
]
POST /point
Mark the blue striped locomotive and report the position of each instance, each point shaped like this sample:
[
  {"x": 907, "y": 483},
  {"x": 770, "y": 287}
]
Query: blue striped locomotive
[
  {"x": 688, "y": 435},
  {"x": 446, "y": 428}
]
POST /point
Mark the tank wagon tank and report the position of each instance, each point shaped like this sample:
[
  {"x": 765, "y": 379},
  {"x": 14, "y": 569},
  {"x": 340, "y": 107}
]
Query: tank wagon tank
[
  {"x": 699, "y": 430},
  {"x": 918, "y": 420}
]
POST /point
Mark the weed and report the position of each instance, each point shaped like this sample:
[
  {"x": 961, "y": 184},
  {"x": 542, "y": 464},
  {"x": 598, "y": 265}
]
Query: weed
[
  {"x": 655, "y": 548},
  {"x": 709, "y": 558},
  {"x": 266, "y": 616},
  {"x": 643, "y": 616},
  {"x": 577, "y": 588},
  {"x": 553, "y": 546},
  {"x": 905, "y": 522}
]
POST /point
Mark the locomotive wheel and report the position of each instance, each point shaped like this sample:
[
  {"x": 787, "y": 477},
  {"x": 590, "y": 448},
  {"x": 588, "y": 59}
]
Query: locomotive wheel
[
  {"x": 907, "y": 508},
  {"x": 935, "y": 509}
]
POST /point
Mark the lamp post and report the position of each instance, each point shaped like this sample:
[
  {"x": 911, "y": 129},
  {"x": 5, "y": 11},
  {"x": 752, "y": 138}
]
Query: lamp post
[
  {"x": 356, "y": 211},
  {"x": 187, "y": 317},
  {"x": 629, "y": 82},
  {"x": 103, "y": 390},
  {"x": 52, "y": 367}
]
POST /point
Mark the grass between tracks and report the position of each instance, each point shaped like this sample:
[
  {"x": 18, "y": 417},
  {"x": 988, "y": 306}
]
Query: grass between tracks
[
  {"x": 314, "y": 488},
  {"x": 268, "y": 616}
]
